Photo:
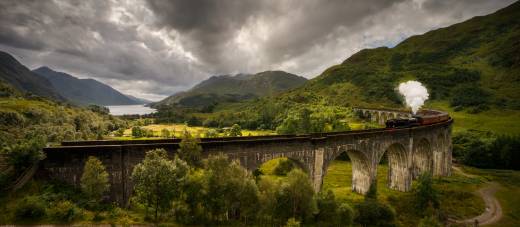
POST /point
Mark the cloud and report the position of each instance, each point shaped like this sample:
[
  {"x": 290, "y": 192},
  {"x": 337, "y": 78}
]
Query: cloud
[{"x": 153, "y": 48}]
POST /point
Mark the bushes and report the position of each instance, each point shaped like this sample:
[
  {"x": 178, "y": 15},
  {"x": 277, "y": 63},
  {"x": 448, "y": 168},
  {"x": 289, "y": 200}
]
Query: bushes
[
  {"x": 374, "y": 213},
  {"x": 25, "y": 153},
  {"x": 63, "y": 211},
  {"x": 425, "y": 195},
  {"x": 470, "y": 95},
  {"x": 331, "y": 213},
  {"x": 283, "y": 167},
  {"x": 485, "y": 150},
  {"x": 30, "y": 208}
]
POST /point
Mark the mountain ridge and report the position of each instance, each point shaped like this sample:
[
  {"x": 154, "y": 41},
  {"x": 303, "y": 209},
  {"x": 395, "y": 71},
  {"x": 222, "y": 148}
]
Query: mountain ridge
[
  {"x": 84, "y": 91},
  {"x": 23, "y": 79},
  {"x": 228, "y": 88}
]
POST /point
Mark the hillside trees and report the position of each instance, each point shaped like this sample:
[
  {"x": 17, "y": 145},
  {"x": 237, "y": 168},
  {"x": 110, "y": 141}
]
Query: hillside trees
[
  {"x": 94, "y": 180},
  {"x": 487, "y": 150},
  {"x": 190, "y": 150},
  {"x": 158, "y": 180}
]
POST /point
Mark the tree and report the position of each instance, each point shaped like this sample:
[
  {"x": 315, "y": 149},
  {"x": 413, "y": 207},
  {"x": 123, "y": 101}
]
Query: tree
[
  {"x": 94, "y": 181},
  {"x": 25, "y": 153},
  {"x": 305, "y": 118},
  {"x": 137, "y": 132},
  {"x": 327, "y": 208},
  {"x": 373, "y": 213},
  {"x": 120, "y": 132},
  {"x": 232, "y": 192},
  {"x": 190, "y": 149},
  {"x": 331, "y": 213},
  {"x": 296, "y": 198},
  {"x": 158, "y": 180},
  {"x": 235, "y": 130}
]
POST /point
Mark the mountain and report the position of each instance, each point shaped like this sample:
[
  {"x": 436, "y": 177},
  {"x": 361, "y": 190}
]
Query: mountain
[
  {"x": 21, "y": 78},
  {"x": 474, "y": 64},
  {"x": 226, "y": 88},
  {"x": 84, "y": 91},
  {"x": 139, "y": 100}
]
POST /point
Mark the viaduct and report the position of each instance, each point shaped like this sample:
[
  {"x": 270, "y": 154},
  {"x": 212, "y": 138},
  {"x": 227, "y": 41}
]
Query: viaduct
[{"x": 410, "y": 151}]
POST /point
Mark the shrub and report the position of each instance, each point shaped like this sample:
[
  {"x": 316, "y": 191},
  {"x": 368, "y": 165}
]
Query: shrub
[
  {"x": 425, "y": 195},
  {"x": 63, "y": 211},
  {"x": 292, "y": 222},
  {"x": 284, "y": 166},
  {"x": 30, "y": 208},
  {"x": 138, "y": 132},
  {"x": 373, "y": 213},
  {"x": 429, "y": 221},
  {"x": 235, "y": 130},
  {"x": 345, "y": 214},
  {"x": 469, "y": 95}
]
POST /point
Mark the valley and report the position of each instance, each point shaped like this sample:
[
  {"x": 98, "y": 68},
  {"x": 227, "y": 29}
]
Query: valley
[{"x": 184, "y": 120}]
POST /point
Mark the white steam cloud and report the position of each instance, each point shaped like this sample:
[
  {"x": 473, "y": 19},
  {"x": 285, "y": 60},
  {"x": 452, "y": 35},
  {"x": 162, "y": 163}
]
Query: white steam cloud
[{"x": 414, "y": 93}]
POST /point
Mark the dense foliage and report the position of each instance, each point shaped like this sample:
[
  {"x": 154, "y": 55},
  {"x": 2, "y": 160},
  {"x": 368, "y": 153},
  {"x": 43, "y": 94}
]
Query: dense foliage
[
  {"x": 94, "y": 180},
  {"x": 487, "y": 150},
  {"x": 158, "y": 180}
]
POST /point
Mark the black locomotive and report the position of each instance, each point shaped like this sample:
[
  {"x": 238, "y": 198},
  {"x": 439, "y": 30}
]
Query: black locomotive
[{"x": 424, "y": 117}]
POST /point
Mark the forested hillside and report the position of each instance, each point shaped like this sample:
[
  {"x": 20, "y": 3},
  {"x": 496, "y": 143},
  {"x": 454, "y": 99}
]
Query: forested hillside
[
  {"x": 473, "y": 66},
  {"x": 225, "y": 88}
]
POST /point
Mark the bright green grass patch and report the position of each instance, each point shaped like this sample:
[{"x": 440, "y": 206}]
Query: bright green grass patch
[{"x": 495, "y": 120}]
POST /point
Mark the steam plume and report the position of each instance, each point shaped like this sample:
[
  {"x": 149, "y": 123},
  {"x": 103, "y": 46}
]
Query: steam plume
[{"x": 414, "y": 93}]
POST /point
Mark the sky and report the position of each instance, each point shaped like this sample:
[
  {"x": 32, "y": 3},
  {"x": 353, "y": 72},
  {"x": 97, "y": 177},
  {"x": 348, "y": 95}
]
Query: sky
[{"x": 154, "y": 48}]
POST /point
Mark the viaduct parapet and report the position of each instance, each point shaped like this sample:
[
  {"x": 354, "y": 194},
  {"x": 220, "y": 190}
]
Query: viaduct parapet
[{"x": 410, "y": 152}]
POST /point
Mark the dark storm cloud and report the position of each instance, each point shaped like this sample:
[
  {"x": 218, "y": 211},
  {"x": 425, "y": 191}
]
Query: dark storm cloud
[{"x": 153, "y": 48}]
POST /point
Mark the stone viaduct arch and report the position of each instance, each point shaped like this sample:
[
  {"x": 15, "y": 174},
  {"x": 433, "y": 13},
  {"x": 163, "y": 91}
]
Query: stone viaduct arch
[{"x": 410, "y": 151}]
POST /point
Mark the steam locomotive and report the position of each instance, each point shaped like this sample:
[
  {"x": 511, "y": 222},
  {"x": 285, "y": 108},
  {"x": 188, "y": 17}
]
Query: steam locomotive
[{"x": 424, "y": 117}]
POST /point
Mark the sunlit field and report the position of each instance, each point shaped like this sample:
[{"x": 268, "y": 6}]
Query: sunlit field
[{"x": 177, "y": 130}]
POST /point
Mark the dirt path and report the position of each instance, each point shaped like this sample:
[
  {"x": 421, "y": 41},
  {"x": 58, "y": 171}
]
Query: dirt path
[{"x": 493, "y": 211}]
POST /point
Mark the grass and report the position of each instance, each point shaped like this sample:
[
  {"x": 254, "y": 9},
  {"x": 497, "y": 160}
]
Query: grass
[
  {"x": 457, "y": 199},
  {"x": 508, "y": 194},
  {"x": 495, "y": 120}
]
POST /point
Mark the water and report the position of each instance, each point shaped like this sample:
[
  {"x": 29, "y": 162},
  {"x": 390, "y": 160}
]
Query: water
[{"x": 130, "y": 109}]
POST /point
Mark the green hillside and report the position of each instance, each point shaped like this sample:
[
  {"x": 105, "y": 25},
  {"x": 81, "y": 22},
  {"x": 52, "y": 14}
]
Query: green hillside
[
  {"x": 84, "y": 91},
  {"x": 481, "y": 56},
  {"x": 472, "y": 67},
  {"x": 20, "y": 77},
  {"x": 226, "y": 89},
  {"x": 23, "y": 118}
]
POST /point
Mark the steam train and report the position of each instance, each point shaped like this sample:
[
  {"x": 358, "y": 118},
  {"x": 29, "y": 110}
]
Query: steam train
[{"x": 424, "y": 117}]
